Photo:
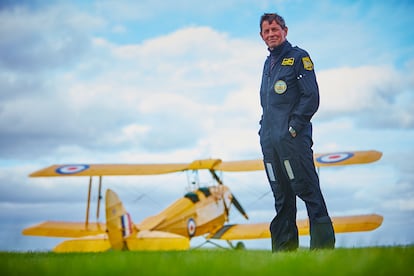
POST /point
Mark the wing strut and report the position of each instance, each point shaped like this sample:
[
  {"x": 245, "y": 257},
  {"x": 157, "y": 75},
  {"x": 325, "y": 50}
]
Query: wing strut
[
  {"x": 88, "y": 203},
  {"x": 99, "y": 198},
  {"x": 215, "y": 176}
]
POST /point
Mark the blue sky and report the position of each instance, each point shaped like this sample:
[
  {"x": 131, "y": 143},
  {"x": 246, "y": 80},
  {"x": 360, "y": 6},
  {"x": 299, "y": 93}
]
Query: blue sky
[{"x": 154, "y": 82}]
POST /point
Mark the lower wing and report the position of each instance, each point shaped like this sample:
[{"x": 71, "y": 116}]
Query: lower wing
[
  {"x": 342, "y": 224},
  {"x": 65, "y": 229},
  {"x": 142, "y": 241}
]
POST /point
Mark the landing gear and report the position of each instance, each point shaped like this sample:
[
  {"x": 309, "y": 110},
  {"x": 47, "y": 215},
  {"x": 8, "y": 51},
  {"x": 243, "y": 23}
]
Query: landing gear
[{"x": 239, "y": 245}]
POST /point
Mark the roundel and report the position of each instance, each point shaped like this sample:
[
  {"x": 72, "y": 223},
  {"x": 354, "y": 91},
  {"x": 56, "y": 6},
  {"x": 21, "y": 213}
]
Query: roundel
[
  {"x": 280, "y": 87},
  {"x": 71, "y": 169},
  {"x": 191, "y": 227},
  {"x": 334, "y": 157}
]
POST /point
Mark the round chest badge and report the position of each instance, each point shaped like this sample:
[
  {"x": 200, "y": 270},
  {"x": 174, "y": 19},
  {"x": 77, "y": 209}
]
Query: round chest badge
[{"x": 280, "y": 87}]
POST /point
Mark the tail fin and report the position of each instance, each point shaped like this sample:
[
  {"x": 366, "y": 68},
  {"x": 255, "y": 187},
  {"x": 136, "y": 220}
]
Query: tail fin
[{"x": 118, "y": 221}]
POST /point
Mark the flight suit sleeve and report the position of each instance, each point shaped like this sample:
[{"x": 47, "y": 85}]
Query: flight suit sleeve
[
  {"x": 308, "y": 101},
  {"x": 262, "y": 93}
]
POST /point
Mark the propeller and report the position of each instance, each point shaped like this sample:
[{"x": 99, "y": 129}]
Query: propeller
[
  {"x": 238, "y": 206},
  {"x": 233, "y": 198}
]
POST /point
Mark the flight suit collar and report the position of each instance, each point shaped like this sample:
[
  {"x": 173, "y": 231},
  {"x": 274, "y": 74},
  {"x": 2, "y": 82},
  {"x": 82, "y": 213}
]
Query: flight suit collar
[{"x": 275, "y": 52}]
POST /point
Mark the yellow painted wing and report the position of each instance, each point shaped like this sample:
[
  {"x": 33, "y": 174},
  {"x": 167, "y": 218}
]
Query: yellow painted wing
[
  {"x": 108, "y": 169},
  {"x": 157, "y": 241},
  {"x": 64, "y": 229},
  {"x": 123, "y": 169},
  {"x": 343, "y": 224},
  {"x": 346, "y": 158},
  {"x": 321, "y": 160},
  {"x": 241, "y": 166},
  {"x": 142, "y": 241},
  {"x": 359, "y": 223}
]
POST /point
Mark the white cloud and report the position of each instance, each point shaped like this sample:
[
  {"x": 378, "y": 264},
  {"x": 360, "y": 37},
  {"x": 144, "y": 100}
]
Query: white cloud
[
  {"x": 400, "y": 204},
  {"x": 377, "y": 96},
  {"x": 172, "y": 86}
]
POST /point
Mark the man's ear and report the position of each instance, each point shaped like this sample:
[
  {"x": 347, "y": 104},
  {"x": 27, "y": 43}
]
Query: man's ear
[{"x": 260, "y": 33}]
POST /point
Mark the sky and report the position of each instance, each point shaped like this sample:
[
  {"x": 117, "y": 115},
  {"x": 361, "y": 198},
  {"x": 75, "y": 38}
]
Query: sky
[{"x": 85, "y": 82}]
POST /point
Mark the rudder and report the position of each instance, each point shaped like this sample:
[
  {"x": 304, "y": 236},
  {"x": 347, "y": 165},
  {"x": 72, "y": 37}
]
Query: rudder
[{"x": 118, "y": 221}]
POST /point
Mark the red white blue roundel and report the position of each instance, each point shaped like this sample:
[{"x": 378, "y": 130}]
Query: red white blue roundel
[
  {"x": 71, "y": 169},
  {"x": 126, "y": 223},
  {"x": 191, "y": 227},
  {"x": 334, "y": 157}
]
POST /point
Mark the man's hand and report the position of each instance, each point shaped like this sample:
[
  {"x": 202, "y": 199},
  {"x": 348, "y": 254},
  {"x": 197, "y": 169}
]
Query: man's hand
[{"x": 292, "y": 131}]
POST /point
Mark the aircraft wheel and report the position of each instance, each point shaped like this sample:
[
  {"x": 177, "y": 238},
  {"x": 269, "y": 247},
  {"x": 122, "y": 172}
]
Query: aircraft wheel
[{"x": 240, "y": 246}]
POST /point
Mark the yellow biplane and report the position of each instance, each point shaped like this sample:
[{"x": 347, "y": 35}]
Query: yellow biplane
[{"x": 204, "y": 211}]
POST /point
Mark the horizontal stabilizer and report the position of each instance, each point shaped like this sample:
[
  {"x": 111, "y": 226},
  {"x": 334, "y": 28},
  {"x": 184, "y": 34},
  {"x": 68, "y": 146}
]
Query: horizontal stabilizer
[
  {"x": 343, "y": 224},
  {"x": 64, "y": 229},
  {"x": 99, "y": 243},
  {"x": 157, "y": 240}
]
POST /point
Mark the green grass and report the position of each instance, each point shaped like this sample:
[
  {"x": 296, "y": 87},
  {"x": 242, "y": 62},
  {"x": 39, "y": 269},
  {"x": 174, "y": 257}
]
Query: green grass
[{"x": 342, "y": 261}]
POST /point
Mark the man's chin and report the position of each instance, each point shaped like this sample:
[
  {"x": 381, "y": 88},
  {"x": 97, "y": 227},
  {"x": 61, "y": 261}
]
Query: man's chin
[{"x": 273, "y": 45}]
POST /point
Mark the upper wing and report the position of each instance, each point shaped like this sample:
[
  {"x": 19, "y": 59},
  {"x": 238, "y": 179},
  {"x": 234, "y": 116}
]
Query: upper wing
[
  {"x": 124, "y": 169},
  {"x": 321, "y": 160},
  {"x": 241, "y": 166},
  {"x": 65, "y": 229},
  {"x": 108, "y": 169},
  {"x": 343, "y": 224},
  {"x": 346, "y": 158}
]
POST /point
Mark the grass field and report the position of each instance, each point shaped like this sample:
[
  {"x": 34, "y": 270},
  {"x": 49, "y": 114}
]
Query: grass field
[{"x": 342, "y": 261}]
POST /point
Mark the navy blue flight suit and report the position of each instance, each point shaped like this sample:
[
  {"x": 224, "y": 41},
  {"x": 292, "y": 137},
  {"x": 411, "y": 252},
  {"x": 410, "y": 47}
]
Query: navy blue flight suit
[{"x": 289, "y": 96}]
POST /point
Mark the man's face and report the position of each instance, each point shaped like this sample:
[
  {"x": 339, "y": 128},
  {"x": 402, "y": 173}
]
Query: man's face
[{"x": 272, "y": 34}]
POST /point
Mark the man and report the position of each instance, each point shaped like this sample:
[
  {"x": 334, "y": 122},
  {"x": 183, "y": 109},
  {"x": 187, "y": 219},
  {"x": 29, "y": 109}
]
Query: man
[{"x": 289, "y": 96}]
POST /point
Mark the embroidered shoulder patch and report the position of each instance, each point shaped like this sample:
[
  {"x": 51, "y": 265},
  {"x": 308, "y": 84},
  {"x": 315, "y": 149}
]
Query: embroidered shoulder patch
[
  {"x": 288, "y": 61},
  {"x": 307, "y": 63}
]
